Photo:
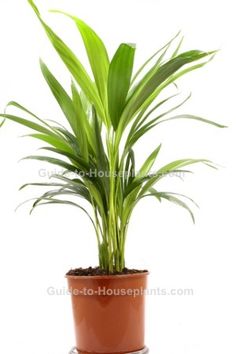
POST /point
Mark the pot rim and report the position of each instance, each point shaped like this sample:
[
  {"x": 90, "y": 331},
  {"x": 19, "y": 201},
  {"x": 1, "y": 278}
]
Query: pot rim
[{"x": 111, "y": 276}]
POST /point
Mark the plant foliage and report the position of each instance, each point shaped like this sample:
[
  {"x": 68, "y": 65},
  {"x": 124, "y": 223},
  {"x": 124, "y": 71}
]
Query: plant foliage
[{"x": 107, "y": 115}]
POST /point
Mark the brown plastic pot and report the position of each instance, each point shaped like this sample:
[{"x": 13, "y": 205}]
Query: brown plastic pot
[{"x": 108, "y": 312}]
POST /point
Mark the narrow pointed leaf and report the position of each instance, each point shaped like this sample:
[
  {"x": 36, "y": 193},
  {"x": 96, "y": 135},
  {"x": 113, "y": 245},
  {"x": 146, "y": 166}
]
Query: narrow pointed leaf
[
  {"x": 41, "y": 185},
  {"x": 162, "y": 74},
  {"x": 153, "y": 191},
  {"x": 24, "y": 109},
  {"x": 62, "y": 98},
  {"x": 79, "y": 161},
  {"x": 178, "y": 202},
  {"x": 53, "y": 161},
  {"x": 84, "y": 130},
  {"x": 63, "y": 202},
  {"x": 119, "y": 79},
  {"x": 96, "y": 52},
  {"x": 153, "y": 69},
  {"x": 51, "y": 140},
  {"x": 73, "y": 64},
  {"x": 27, "y": 123},
  {"x": 102, "y": 161},
  {"x": 165, "y": 170},
  {"x": 145, "y": 169},
  {"x": 129, "y": 168},
  {"x": 192, "y": 117}
]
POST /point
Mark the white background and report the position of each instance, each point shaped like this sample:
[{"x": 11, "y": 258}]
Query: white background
[{"x": 37, "y": 250}]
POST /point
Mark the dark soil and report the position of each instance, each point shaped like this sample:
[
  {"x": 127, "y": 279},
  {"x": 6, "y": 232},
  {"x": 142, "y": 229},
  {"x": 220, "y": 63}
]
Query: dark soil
[{"x": 98, "y": 271}]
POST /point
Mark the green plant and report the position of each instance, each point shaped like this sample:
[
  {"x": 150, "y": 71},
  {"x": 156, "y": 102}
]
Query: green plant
[{"x": 107, "y": 117}]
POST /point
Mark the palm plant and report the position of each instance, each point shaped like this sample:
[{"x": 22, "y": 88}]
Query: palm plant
[{"x": 107, "y": 116}]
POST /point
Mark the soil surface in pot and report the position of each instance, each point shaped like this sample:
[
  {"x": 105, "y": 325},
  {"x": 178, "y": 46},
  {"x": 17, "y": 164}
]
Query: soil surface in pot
[{"x": 98, "y": 271}]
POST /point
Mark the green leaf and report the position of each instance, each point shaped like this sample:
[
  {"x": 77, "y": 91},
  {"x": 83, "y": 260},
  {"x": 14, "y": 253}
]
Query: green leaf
[
  {"x": 32, "y": 4},
  {"x": 27, "y": 123},
  {"x": 74, "y": 182},
  {"x": 22, "y": 108},
  {"x": 135, "y": 186},
  {"x": 51, "y": 140},
  {"x": 141, "y": 118},
  {"x": 97, "y": 197},
  {"x": 162, "y": 172},
  {"x": 178, "y": 202},
  {"x": 71, "y": 139},
  {"x": 119, "y": 78},
  {"x": 162, "y": 74},
  {"x": 53, "y": 161},
  {"x": 51, "y": 134},
  {"x": 145, "y": 169},
  {"x": 62, "y": 98},
  {"x": 138, "y": 129},
  {"x": 40, "y": 185},
  {"x": 102, "y": 161},
  {"x": 172, "y": 79},
  {"x": 97, "y": 55},
  {"x": 131, "y": 139},
  {"x": 163, "y": 114},
  {"x": 187, "y": 70},
  {"x": 63, "y": 202},
  {"x": 154, "y": 191},
  {"x": 129, "y": 168},
  {"x": 84, "y": 131},
  {"x": 192, "y": 117},
  {"x": 79, "y": 191},
  {"x": 73, "y": 65},
  {"x": 164, "y": 48},
  {"x": 173, "y": 199},
  {"x": 78, "y": 160}
]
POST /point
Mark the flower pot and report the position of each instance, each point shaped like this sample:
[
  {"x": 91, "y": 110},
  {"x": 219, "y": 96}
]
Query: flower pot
[{"x": 109, "y": 312}]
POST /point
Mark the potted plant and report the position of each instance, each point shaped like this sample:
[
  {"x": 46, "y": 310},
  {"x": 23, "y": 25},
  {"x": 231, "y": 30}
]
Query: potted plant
[{"x": 107, "y": 115}]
